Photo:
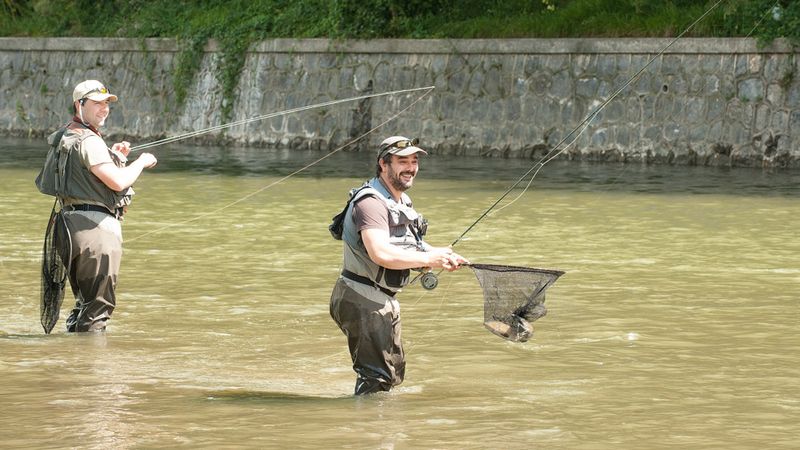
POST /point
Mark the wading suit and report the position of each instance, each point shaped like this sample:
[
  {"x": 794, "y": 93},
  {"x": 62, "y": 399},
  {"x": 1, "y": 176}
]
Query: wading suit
[
  {"x": 92, "y": 213},
  {"x": 363, "y": 302}
]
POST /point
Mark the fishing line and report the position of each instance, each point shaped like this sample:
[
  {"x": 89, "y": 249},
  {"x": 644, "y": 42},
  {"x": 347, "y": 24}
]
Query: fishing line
[
  {"x": 771, "y": 10},
  {"x": 583, "y": 125},
  {"x": 575, "y": 133},
  {"x": 271, "y": 115},
  {"x": 429, "y": 89},
  {"x": 764, "y": 16},
  {"x": 432, "y": 329}
]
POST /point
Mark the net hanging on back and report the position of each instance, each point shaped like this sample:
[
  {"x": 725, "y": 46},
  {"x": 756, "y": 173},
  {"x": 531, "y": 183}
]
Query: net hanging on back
[
  {"x": 57, "y": 249},
  {"x": 513, "y": 297}
]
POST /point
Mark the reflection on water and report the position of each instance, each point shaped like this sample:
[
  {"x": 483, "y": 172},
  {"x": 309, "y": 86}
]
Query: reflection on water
[
  {"x": 674, "y": 326},
  {"x": 573, "y": 176}
]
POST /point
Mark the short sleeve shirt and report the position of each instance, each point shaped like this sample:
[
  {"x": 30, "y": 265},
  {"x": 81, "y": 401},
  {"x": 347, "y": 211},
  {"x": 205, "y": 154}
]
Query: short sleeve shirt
[
  {"x": 94, "y": 151},
  {"x": 371, "y": 212}
]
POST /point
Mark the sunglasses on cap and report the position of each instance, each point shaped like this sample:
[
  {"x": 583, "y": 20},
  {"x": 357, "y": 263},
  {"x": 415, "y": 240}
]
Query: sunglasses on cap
[
  {"x": 100, "y": 90},
  {"x": 405, "y": 143}
]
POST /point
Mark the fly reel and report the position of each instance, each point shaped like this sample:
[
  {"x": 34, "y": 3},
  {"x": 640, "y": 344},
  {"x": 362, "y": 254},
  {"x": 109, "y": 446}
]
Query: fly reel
[{"x": 429, "y": 281}]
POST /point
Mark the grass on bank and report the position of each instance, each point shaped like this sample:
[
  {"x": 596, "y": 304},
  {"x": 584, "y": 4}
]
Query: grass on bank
[{"x": 260, "y": 19}]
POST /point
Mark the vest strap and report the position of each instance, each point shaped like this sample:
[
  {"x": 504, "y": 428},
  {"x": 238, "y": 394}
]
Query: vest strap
[
  {"x": 364, "y": 280},
  {"x": 89, "y": 207}
]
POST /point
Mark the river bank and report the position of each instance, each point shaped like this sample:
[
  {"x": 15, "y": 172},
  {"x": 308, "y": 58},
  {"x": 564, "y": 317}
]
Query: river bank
[{"x": 716, "y": 102}]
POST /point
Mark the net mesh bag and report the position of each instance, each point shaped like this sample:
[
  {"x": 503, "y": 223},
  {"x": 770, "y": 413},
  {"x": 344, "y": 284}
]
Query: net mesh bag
[
  {"x": 513, "y": 297},
  {"x": 57, "y": 249}
]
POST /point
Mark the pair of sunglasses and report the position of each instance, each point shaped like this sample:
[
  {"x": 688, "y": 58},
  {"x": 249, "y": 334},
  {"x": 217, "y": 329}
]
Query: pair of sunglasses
[{"x": 399, "y": 144}]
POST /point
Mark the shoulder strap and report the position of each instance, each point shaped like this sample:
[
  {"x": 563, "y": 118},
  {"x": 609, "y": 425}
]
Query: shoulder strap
[
  {"x": 363, "y": 191},
  {"x": 337, "y": 222}
]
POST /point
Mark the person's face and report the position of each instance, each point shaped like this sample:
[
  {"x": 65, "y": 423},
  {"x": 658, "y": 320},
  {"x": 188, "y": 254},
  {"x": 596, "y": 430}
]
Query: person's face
[
  {"x": 95, "y": 113},
  {"x": 401, "y": 170}
]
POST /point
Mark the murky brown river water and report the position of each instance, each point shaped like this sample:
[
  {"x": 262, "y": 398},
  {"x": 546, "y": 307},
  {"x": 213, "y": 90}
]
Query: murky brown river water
[{"x": 675, "y": 326}]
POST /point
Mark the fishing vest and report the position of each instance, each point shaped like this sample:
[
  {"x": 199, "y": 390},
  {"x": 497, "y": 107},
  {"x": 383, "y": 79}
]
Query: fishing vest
[
  {"x": 65, "y": 176},
  {"x": 406, "y": 229}
]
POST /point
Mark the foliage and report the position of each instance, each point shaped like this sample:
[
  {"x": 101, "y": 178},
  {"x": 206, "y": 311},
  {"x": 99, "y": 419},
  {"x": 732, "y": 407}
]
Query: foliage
[
  {"x": 188, "y": 64},
  {"x": 259, "y": 19},
  {"x": 768, "y": 19}
]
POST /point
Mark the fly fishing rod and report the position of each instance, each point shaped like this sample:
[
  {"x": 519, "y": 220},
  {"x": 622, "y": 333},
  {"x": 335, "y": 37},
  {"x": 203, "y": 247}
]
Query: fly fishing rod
[
  {"x": 582, "y": 126},
  {"x": 429, "y": 280},
  {"x": 428, "y": 90},
  {"x": 271, "y": 115}
]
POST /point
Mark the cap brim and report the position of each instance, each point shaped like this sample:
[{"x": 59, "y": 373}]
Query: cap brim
[
  {"x": 407, "y": 151},
  {"x": 102, "y": 97}
]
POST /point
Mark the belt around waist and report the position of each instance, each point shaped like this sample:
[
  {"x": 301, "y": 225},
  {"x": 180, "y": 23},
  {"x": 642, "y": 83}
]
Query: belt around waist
[
  {"x": 364, "y": 280},
  {"x": 87, "y": 207}
]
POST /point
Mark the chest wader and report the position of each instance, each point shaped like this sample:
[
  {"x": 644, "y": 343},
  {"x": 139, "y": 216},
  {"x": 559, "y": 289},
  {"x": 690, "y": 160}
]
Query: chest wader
[
  {"x": 93, "y": 231},
  {"x": 363, "y": 302}
]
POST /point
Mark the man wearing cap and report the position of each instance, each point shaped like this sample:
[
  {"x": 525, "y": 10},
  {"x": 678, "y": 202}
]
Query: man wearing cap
[
  {"x": 93, "y": 186},
  {"x": 382, "y": 235}
]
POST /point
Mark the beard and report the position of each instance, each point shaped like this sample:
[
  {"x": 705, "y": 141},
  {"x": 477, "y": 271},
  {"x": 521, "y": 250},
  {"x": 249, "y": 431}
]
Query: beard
[{"x": 397, "y": 182}]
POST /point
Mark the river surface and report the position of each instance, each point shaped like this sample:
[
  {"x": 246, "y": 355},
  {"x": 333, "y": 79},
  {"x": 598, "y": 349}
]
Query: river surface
[{"x": 675, "y": 325}]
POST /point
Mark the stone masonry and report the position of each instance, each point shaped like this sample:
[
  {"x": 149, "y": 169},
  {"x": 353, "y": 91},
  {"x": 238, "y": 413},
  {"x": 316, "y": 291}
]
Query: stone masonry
[{"x": 701, "y": 102}]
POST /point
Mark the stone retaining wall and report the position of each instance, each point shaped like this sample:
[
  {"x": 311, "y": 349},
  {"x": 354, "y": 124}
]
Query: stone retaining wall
[{"x": 704, "y": 101}]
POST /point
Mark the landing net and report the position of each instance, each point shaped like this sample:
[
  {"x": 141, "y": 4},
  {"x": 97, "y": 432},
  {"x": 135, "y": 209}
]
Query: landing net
[
  {"x": 513, "y": 297},
  {"x": 57, "y": 249}
]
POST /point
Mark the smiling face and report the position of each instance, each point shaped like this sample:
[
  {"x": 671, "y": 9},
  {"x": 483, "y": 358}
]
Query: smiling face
[
  {"x": 400, "y": 171},
  {"x": 94, "y": 112}
]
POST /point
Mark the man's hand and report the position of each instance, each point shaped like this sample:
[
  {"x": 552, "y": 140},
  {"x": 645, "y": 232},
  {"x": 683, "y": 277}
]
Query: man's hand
[
  {"x": 446, "y": 258},
  {"x": 147, "y": 160},
  {"x": 123, "y": 147}
]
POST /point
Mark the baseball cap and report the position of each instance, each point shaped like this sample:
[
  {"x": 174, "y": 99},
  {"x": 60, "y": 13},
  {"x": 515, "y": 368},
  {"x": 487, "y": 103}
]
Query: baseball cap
[
  {"x": 400, "y": 146},
  {"x": 93, "y": 90}
]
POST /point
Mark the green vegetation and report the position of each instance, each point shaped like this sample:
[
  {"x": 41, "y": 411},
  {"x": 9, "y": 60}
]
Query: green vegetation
[
  {"x": 237, "y": 20},
  {"x": 236, "y": 24}
]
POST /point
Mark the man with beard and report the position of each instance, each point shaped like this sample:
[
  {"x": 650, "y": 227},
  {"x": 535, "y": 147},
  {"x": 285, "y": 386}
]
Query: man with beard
[
  {"x": 93, "y": 186},
  {"x": 382, "y": 235}
]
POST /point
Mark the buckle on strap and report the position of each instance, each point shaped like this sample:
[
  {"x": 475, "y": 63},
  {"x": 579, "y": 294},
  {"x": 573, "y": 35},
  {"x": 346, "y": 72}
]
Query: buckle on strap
[{"x": 364, "y": 280}]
